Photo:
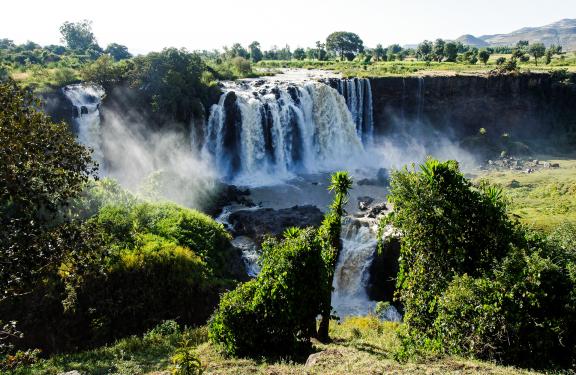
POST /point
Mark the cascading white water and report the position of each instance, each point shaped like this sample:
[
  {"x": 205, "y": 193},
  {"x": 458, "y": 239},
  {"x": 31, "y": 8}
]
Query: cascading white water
[
  {"x": 281, "y": 129},
  {"x": 359, "y": 243},
  {"x": 86, "y": 99},
  {"x": 350, "y": 278},
  {"x": 358, "y": 94}
]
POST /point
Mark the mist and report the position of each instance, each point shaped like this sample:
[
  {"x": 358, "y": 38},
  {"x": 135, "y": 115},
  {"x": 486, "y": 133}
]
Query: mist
[{"x": 158, "y": 164}]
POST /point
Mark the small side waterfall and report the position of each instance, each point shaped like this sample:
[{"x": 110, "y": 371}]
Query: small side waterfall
[
  {"x": 359, "y": 240},
  {"x": 420, "y": 98},
  {"x": 87, "y": 99},
  {"x": 275, "y": 130},
  {"x": 358, "y": 94}
]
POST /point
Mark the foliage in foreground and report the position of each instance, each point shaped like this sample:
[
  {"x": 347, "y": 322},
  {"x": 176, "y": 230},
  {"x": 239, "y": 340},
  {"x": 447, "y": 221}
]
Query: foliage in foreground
[
  {"x": 275, "y": 312},
  {"x": 472, "y": 281}
]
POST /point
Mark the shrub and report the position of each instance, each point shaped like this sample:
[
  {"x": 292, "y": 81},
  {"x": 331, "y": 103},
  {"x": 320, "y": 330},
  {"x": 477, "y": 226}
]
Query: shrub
[
  {"x": 276, "y": 312},
  {"x": 155, "y": 280},
  {"x": 185, "y": 227},
  {"x": 472, "y": 281}
]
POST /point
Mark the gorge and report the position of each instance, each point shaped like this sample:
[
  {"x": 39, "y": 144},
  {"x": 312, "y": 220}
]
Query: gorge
[{"x": 282, "y": 138}]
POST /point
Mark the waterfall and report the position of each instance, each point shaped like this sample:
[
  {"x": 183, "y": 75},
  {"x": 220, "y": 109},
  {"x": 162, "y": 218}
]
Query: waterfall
[
  {"x": 276, "y": 130},
  {"x": 358, "y": 94},
  {"x": 359, "y": 244},
  {"x": 359, "y": 240},
  {"x": 420, "y": 98},
  {"x": 86, "y": 99}
]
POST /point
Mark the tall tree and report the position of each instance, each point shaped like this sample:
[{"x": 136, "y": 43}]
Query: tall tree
[
  {"x": 342, "y": 43},
  {"x": 537, "y": 50},
  {"x": 255, "y": 51},
  {"x": 439, "y": 45},
  {"x": 379, "y": 52},
  {"x": 118, "y": 51},
  {"x": 424, "y": 50},
  {"x": 78, "y": 35},
  {"x": 41, "y": 169},
  {"x": 329, "y": 234},
  {"x": 451, "y": 51},
  {"x": 484, "y": 56}
]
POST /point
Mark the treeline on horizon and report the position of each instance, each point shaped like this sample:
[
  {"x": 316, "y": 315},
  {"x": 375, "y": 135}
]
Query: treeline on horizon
[{"x": 62, "y": 64}]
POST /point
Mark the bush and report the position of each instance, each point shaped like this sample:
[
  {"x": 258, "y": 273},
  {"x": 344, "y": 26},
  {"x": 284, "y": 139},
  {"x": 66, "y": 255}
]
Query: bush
[
  {"x": 164, "y": 262},
  {"x": 185, "y": 227},
  {"x": 142, "y": 286},
  {"x": 472, "y": 281},
  {"x": 276, "y": 312}
]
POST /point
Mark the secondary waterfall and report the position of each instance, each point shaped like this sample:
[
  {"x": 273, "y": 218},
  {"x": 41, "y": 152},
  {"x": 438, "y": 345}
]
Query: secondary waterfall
[
  {"x": 86, "y": 100},
  {"x": 358, "y": 94},
  {"x": 279, "y": 129}
]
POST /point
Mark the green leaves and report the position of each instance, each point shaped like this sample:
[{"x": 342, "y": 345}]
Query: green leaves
[{"x": 471, "y": 280}]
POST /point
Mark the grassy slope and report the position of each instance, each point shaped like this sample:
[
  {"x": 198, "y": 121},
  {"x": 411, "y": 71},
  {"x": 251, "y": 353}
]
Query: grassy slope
[
  {"x": 360, "y": 346},
  {"x": 542, "y": 199}
]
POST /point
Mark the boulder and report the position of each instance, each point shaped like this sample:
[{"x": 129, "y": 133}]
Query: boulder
[
  {"x": 364, "y": 202},
  {"x": 256, "y": 224}
]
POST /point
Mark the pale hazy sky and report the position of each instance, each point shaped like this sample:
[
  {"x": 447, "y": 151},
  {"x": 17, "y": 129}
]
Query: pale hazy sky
[{"x": 207, "y": 24}]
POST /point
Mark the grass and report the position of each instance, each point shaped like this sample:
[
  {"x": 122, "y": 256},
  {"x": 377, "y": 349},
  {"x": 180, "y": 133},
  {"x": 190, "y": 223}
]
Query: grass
[
  {"x": 42, "y": 79},
  {"x": 410, "y": 67},
  {"x": 543, "y": 199},
  {"x": 361, "y": 345}
]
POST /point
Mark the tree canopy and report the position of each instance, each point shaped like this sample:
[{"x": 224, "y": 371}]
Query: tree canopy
[
  {"x": 78, "y": 35},
  {"x": 41, "y": 168},
  {"x": 343, "y": 43}
]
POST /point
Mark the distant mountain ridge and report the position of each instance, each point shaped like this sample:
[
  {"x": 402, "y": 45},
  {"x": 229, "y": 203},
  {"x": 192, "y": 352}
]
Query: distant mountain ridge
[{"x": 561, "y": 33}]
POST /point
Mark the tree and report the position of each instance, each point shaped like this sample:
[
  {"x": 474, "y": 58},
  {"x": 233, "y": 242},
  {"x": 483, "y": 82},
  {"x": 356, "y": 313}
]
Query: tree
[
  {"x": 42, "y": 167},
  {"x": 379, "y": 52},
  {"x": 275, "y": 313},
  {"x": 104, "y": 72},
  {"x": 484, "y": 56},
  {"x": 6, "y": 44},
  {"x": 78, "y": 35},
  {"x": 439, "y": 45},
  {"x": 471, "y": 280},
  {"x": 424, "y": 50},
  {"x": 118, "y": 51},
  {"x": 537, "y": 50},
  {"x": 451, "y": 51},
  {"x": 236, "y": 51},
  {"x": 342, "y": 43},
  {"x": 299, "y": 54},
  {"x": 329, "y": 234},
  {"x": 255, "y": 52}
]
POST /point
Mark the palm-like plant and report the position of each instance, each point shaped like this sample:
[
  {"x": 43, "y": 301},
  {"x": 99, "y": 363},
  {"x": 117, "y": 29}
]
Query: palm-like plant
[{"x": 329, "y": 233}]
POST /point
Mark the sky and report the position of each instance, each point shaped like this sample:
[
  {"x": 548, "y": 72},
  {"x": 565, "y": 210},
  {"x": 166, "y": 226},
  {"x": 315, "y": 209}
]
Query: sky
[{"x": 146, "y": 25}]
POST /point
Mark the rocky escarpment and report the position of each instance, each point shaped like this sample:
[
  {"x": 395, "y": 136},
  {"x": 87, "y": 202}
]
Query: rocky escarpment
[{"x": 526, "y": 105}]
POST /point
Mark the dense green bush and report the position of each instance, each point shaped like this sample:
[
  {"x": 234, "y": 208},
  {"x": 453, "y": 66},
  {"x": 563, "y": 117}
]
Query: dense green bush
[
  {"x": 164, "y": 262},
  {"x": 185, "y": 227},
  {"x": 472, "y": 281},
  {"x": 155, "y": 280},
  {"x": 276, "y": 312}
]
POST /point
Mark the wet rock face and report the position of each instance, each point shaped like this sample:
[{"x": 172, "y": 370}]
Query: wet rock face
[
  {"x": 524, "y": 105},
  {"x": 258, "y": 223},
  {"x": 383, "y": 272}
]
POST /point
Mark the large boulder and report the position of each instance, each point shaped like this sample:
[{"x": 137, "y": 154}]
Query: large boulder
[{"x": 256, "y": 224}]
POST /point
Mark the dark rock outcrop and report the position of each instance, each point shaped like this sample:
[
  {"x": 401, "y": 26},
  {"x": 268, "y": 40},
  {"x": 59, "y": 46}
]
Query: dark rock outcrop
[
  {"x": 527, "y": 106},
  {"x": 383, "y": 272},
  {"x": 257, "y": 224}
]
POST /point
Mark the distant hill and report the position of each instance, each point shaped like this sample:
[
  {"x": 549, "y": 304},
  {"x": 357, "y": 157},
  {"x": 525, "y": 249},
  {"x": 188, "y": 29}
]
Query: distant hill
[
  {"x": 471, "y": 40},
  {"x": 560, "y": 33}
]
